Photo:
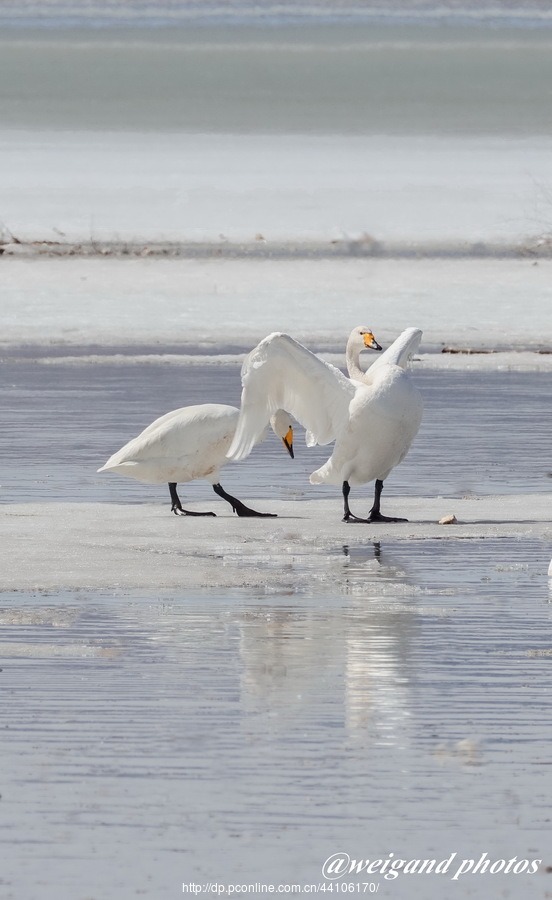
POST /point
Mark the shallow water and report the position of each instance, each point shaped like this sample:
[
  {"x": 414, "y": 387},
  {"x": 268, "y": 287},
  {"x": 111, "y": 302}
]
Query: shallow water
[
  {"x": 483, "y": 432},
  {"x": 154, "y": 740}
]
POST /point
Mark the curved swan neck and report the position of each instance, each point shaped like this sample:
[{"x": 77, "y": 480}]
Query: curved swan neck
[{"x": 352, "y": 356}]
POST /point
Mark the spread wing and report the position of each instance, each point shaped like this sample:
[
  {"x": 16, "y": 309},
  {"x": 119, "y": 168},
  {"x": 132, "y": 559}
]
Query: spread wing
[
  {"x": 282, "y": 374},
  {"x": 398, "y": 354}
]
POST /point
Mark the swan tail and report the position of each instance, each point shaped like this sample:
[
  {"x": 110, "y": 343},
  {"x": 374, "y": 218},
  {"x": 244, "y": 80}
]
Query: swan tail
[
  {"x": 108, "y": 467},
  {"x": 324, "y": 475},
  {"x": 113, "y": 466}
]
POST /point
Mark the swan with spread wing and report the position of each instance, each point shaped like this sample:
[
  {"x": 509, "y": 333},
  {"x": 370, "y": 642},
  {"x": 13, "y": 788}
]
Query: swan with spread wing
[{"x": 372, "y": 416}]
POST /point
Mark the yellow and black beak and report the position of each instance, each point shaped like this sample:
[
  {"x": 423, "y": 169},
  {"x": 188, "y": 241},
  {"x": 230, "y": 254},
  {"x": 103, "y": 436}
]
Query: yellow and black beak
[
  {"x": 288, "y": 442},
  {"x": 370, "y": 342}
]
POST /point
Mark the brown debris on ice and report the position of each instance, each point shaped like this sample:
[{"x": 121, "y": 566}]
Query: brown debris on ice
[{"x": 448, "y": 520}]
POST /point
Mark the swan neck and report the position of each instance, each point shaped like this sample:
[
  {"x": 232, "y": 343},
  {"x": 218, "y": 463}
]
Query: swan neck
[{"x": 352, "y": 356}]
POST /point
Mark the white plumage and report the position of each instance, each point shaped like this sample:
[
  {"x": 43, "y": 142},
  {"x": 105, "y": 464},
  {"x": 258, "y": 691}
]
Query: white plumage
[
  {"x": 373, "y": 416},
  {"x": 190, "y": 443}
]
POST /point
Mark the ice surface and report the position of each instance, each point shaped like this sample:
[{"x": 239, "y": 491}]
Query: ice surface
[
  {"x": 148, "y": 187},
  {"x": 208, "y": 306},
  {"x": 94, "y": 546}
]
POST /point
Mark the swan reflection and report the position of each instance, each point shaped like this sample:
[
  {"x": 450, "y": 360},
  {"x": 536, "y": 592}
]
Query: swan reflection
[{"x": 337, "y": 666}]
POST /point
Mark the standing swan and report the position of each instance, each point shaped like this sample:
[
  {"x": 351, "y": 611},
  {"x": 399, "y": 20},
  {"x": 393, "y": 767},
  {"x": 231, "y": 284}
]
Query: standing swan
[
  {"x": 373, "y": 416},
  {"x": 191, "y": 443}
]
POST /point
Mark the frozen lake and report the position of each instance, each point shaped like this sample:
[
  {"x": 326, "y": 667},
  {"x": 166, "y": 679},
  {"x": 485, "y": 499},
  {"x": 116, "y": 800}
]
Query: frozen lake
[{"x": 219, "y": 702}]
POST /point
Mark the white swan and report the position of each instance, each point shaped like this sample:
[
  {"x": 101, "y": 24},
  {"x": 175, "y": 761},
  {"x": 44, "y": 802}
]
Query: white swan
[
  {"x": 373, "y": 416},
  {"x": 190, "y": 443}
]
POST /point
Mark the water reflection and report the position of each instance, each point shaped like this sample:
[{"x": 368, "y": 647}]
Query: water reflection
[
  {"x": 237, "y": 724},
  {"x": 377, "y": 683},
  {"x": 371, "y": 561},
  {"x": 364, "y": 551},
  {"x": 354, "y": 657}
]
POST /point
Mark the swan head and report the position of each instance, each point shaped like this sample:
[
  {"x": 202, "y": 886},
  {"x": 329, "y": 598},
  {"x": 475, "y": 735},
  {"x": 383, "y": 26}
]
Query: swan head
[
  {"x": 362, "y": 338},
  {"x": 282, "y": 428}
]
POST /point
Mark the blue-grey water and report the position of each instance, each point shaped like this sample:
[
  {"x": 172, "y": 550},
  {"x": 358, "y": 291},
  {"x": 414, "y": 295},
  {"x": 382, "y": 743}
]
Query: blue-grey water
[
  {"x": 62, "y": 14},
  {"x": 330, "y": 68},
  {"x": 243, "y": 737},
  {"x": 343, "y": 79},
  {"x": 482, "y": 433}
]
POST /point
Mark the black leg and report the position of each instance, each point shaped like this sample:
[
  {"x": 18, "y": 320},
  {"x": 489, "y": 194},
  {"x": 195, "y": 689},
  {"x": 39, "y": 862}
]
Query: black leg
[
  {"x": 347, "y": 514},
  {"x": 177, "y": 508},
  {"x": 240, "y": 508},
  {"x": 378, "y": 488},
  {"x": 374, "y": 515}
]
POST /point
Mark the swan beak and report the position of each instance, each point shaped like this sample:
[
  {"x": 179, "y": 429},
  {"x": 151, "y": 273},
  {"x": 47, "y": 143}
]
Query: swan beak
[
  {"x": 288, "y": 442},
  {"x": 370, "y": 342}
]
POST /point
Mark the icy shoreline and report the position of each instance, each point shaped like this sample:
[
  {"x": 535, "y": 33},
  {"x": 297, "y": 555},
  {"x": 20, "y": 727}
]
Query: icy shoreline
[
  {"x": 362, "y": 246},
  {"x": 56, "y": 546}
]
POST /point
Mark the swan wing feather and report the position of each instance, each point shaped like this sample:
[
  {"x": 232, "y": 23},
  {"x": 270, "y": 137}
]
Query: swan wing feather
[
  {"x": 280, "y": 373},
  {"x": 398, "y": 354}
]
